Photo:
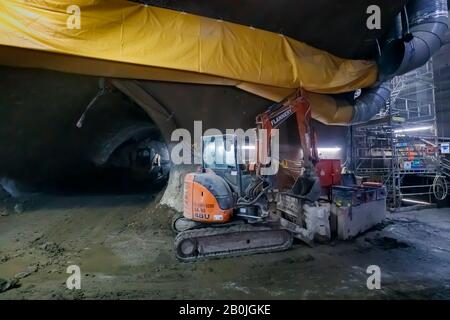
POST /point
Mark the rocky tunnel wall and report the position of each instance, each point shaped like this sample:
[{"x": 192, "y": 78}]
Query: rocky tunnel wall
[{"x": 39, "y": 140}]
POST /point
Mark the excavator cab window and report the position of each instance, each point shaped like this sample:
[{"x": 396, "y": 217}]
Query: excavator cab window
[{"x": 219, "y": 153}]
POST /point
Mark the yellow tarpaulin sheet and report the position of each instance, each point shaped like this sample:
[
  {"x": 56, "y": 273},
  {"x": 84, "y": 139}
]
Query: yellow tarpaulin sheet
[{"x": 145, "y": 42}]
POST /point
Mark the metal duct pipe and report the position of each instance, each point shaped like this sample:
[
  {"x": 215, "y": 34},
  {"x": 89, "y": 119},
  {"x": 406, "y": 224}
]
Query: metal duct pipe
[
  {"x": 370, "y": 103},
  {"x": 333, "y": 110},
  {"x": 428, "y": 23},
  {"x": 418, "y": 33}
]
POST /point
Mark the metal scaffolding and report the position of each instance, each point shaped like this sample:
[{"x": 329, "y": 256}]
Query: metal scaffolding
[{"x": 402, "y": 141}]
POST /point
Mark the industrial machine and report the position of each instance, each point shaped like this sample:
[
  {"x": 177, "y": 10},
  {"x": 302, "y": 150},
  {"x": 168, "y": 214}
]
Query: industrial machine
[
  {"x": 356, "y": 209},
  {"x": 234, "y": 207}
]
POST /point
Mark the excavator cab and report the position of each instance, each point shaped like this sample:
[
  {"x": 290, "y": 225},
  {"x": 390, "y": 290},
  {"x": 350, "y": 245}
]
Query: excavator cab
[
  {"x": 220, "y": 155},
  {"x": 210, "y": 196},
  {"x": 230, "y": 158},
  {"x": 225, "y": 186}
]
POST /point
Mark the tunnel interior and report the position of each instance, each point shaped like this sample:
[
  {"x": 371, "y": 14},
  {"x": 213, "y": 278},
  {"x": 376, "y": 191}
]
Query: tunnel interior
[
  {"x": 131, "y": 158},
  {"x": 117, "y": 149}
]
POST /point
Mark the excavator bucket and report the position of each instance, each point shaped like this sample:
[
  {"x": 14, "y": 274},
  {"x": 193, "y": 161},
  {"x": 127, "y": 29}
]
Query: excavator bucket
[{"x": 308, "y": 186}]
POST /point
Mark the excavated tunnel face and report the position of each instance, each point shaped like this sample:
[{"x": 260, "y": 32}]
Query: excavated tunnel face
[
  {"x": 117, "y": 149},
  {"x": 130, "y": 158}
]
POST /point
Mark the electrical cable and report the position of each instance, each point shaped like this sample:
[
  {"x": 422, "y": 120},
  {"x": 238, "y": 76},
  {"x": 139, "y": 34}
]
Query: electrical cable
[{"x": 439, "y": 182}]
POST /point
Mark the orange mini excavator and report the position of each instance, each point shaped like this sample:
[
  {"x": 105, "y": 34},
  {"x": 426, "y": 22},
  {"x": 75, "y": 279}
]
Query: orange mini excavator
[{"x": 240, "y": 203}]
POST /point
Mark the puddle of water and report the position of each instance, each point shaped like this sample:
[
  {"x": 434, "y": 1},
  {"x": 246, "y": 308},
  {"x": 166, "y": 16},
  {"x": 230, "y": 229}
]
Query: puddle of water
[
  {"x": 388, "y": 243},
  {"x": 99, "y": 259}
]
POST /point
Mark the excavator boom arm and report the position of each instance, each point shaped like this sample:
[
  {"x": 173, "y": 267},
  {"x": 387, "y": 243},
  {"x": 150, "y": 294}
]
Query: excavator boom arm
[{"x": 279, "y": 114}]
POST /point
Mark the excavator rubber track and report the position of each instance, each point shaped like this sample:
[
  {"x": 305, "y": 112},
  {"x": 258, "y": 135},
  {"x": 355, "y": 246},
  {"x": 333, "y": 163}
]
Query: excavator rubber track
[{"x": 229, "y": 241}]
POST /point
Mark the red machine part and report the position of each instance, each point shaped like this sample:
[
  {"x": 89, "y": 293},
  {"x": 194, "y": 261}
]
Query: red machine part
[{"x": 329, "y": 172}]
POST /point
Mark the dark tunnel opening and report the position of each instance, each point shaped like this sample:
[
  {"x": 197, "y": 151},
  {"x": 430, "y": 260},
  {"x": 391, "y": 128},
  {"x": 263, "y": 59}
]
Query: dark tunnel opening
[
  {"x": 117, "y": 150},
  {"x": 138, "y": 163},
  {"x": 125, "y": 154}
]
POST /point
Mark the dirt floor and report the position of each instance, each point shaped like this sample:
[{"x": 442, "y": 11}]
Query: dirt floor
[{"x": 123, "y": 245}]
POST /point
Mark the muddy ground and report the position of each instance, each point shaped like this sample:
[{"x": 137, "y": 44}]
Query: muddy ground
[{"x": 123, "y": 245}]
